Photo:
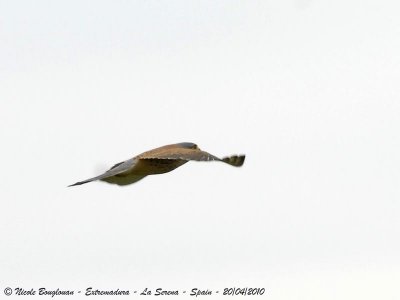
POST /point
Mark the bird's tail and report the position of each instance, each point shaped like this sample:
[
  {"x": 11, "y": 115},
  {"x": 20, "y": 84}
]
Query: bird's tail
[{"x": 88, "y": 180}]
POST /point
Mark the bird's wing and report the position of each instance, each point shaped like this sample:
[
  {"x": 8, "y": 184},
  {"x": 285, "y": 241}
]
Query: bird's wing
[
  {"x": 193, "y": 154},
  {"x": 115, "y": 170},
  {"x": 234, "y": 160}
]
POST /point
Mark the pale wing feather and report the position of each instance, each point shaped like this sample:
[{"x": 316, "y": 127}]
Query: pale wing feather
[
  {"x": 194, "y": 154},
  {"x": 181, "y": 153}
]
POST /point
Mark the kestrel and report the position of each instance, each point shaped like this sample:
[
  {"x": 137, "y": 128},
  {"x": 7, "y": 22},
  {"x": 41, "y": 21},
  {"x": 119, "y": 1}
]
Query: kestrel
[{"x": 158, "y": 161}]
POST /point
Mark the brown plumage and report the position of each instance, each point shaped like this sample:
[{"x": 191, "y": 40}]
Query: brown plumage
[{"x": 158, "y": 161}]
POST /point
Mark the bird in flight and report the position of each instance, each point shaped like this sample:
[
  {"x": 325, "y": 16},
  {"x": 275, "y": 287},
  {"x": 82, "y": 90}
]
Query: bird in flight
[{"x": 158, "y": 161}]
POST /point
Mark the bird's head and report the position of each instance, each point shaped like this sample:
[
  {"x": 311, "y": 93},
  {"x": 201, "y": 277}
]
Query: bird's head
[{"x": 189, "y": 146}]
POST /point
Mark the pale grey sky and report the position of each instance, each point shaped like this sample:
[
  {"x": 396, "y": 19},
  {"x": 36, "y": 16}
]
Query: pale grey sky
[{"x": 307, "y": 89}]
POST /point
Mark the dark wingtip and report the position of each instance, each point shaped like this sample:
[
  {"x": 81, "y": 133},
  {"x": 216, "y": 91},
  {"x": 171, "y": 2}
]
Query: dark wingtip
[{"x": 235, "y": 160}]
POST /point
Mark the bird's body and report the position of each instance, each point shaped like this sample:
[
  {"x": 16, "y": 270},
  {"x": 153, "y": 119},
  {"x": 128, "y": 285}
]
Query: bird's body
[{"x": 158, "y": 161}]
